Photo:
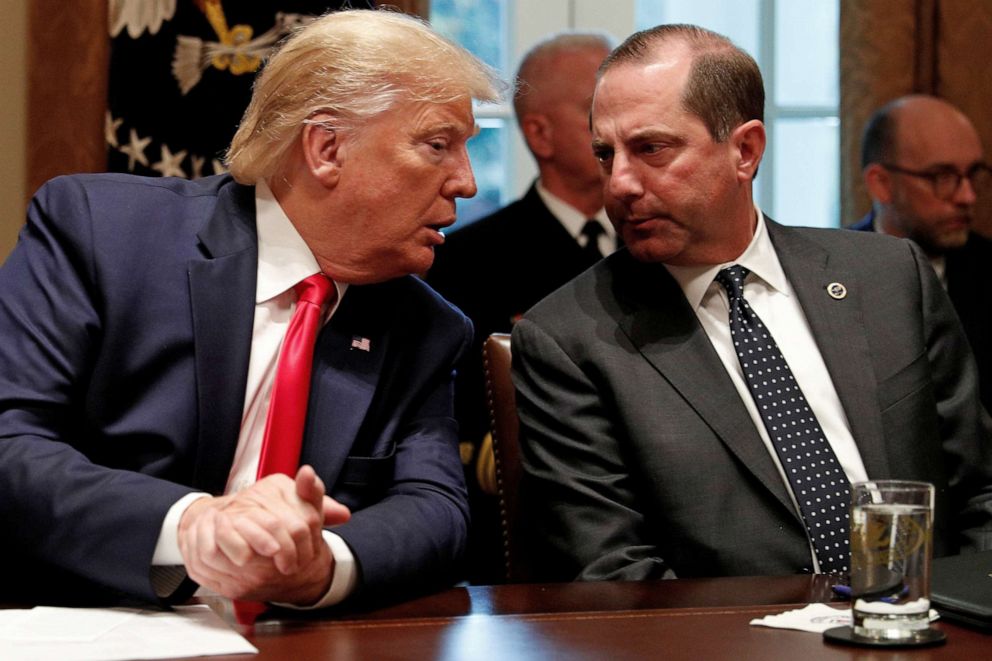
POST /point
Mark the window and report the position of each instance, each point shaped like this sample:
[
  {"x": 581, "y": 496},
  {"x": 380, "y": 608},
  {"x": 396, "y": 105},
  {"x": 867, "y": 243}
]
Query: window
[
  {"x": 795, "y": 42},
  {"x": 482, "y": 27}
]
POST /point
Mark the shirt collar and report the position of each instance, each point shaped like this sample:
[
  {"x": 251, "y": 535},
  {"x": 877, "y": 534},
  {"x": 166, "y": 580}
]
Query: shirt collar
[
  {"x": 569, "y": 216},
  {"x": 939, "y": 264},
  {"x": 283, "y": 256},
  {"x": 759, "y": 258}
]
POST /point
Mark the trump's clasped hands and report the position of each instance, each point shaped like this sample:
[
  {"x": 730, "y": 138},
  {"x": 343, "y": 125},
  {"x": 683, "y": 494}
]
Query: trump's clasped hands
[{"x": 263, "y": 543}]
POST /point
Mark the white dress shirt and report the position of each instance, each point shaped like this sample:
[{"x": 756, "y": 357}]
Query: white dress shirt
[
  {"x": 573, "y": 220},
  {"x": 770, "y": 295},
  {"x": 283, "y": 261}
]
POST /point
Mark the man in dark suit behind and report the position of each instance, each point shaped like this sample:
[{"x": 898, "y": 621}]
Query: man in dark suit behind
[
  {"x": 649, "y": 451},
  {"x": 498, "y": 266},
  {"x": 141, "y": 323},
  {"x": 924, "y": 168}
]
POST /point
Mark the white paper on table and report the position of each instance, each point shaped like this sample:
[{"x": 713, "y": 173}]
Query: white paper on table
[
  {"x": 815, "y": 618},
  {"x": 115, "y": 634}
]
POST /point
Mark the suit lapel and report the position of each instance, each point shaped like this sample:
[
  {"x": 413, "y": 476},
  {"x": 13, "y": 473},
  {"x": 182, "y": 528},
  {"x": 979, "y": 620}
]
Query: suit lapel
[
  {"x": 222, "y": 295},
  {"x": 839, "y": 330},
  {"x": 661, "y": 325},
  {"x": 348, "y": 362}
]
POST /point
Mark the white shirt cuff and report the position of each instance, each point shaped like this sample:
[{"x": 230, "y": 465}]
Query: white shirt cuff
[
  {"x": 343, "y": 581},
  {"x": 345, "y": 576},
  {"x": 167, "y": 548}
]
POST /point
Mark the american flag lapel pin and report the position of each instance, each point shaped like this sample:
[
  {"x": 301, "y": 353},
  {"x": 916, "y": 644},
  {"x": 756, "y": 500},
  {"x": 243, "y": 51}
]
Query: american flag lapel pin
[{"x": 361, "y": 343}]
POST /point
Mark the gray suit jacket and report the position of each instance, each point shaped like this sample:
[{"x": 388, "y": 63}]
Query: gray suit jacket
[{"x": 641, "y": 459}]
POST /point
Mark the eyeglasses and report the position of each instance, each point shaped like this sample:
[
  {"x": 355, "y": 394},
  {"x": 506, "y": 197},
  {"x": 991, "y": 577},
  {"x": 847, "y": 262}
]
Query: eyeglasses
[{"x": 946, "y": 182}]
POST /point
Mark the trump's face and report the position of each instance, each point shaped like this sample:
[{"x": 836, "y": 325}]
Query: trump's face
[{"x": 399, "y": 177}]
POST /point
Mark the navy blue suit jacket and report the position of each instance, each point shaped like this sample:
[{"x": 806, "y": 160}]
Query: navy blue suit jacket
[{"x": 126, "y": 322}]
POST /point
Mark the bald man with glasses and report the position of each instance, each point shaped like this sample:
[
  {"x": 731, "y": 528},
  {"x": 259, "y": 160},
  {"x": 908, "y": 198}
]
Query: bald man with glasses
[{"x": 925, "y": 169}]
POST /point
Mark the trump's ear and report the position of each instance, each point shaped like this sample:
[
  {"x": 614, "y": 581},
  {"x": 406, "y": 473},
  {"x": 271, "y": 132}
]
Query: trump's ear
[
  {"x": 321, "y": 144},
  {"x": 878, "y": 181}
]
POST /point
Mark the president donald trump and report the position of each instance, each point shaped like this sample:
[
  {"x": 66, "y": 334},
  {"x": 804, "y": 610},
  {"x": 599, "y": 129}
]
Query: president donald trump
[{"x": 158, "y": 426}]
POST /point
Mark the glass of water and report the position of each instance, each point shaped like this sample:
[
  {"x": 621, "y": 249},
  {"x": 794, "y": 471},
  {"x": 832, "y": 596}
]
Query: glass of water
[{"x": 891, "y": 540}]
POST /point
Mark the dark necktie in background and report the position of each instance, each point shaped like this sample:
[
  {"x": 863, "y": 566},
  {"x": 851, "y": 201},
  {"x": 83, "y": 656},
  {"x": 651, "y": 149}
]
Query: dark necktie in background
[
  {"x": 818, "y": 482},
  {"x": 592, "y": 231}
]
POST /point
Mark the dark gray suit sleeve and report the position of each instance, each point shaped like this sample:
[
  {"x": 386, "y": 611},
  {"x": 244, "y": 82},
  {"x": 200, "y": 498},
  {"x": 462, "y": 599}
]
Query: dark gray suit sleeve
[
  {"x": 965, "y": 428},
  {"x": 580, "y": 497}
]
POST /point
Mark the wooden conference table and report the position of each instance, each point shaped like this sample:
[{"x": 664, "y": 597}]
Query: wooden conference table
[{"x": 697, "y": 619}]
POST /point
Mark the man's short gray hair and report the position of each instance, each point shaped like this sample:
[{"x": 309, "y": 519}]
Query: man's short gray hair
[{"x": 724, "y": 88}]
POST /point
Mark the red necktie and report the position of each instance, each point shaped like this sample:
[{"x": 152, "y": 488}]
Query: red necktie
[{"x": 288, "y": 401}]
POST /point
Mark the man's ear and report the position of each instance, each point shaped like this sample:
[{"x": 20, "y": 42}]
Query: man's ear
[
  {"x": 537, "y": 131},
  {"x": 749, "y": 141},
  {"x": 322, "y": 151},
  {"x": 878, "y": 181}
]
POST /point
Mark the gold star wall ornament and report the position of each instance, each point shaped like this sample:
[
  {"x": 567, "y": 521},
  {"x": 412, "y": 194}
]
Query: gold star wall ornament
[
  {"x": 170, "y": 164},
  {"x": 135, "y": 150},
  {"x": 110, "y": 126},
  {"x": 197, "y": 162}
]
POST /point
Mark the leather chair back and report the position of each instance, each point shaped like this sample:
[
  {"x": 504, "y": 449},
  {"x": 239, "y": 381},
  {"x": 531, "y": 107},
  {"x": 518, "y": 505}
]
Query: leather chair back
[{"x": 506, "y": 449}]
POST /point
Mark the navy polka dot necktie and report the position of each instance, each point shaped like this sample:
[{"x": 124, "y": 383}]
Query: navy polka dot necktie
[{"x": 818, "y": 482}]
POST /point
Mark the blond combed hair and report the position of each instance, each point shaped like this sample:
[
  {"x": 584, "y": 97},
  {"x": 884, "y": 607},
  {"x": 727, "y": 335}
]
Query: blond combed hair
[{"x": 352, "y": 65}]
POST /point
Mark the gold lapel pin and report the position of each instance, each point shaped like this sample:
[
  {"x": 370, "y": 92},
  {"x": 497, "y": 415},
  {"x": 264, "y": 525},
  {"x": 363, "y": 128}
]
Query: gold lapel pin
[{"x": 837, "y": 291}]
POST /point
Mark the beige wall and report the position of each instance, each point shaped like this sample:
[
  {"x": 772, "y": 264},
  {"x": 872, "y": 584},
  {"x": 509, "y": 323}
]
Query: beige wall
[{"x": 13, "y": 109}]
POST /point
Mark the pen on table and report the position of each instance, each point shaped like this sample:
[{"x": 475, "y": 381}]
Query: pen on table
[
  {"x": 845, "y": 591},
  {"x": 842, "y": 590}
]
